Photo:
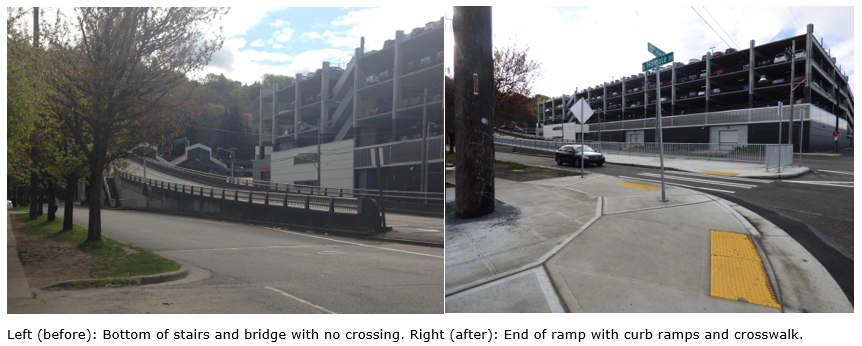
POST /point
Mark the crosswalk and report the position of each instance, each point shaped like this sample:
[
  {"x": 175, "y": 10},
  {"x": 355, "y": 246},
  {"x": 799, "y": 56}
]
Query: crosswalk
[
  {"x": 717, "y": 183},
  {"x": 730, "y": 184}
]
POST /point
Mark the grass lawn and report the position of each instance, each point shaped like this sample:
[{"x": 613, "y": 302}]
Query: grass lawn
[{"x": 110, "y": 258}]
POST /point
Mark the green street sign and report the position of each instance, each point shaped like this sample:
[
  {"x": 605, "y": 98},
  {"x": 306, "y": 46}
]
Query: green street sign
[
  {"x": 654, "y": 50},
  {"x": 664, "y": 59}
]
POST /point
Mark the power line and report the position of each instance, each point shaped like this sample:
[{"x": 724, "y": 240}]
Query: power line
[
  {"x": 794, "y": 17},
  {"x": 710, "y": 26},
  {"x": 722, "y": 29}
]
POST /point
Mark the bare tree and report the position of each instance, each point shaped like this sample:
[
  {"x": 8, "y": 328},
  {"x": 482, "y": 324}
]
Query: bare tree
[
  {"x": 514, "y": 76},
  {"x": 119, "y": 79}
]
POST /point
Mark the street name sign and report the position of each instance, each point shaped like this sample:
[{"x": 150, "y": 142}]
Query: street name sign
[
  {"x": 664, "y": 59},
  {"x": 654, "y": 50}
]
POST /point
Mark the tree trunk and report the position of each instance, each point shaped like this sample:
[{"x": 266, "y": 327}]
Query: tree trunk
[
  {"x": 71, "y": 189},
  {"x": 94, "y": 233},
  {"x": 52, "y": 195},
  {"x": 34, "y": 194},
  {"x": 474, "y": 114}
]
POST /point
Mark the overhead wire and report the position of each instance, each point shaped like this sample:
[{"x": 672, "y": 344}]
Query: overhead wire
[
  {"x": 710, "y": 26},
  {"x": 797, "y": 20}
]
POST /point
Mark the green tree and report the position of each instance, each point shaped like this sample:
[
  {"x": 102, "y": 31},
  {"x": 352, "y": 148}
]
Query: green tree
[{"x": 119, "y": 76}]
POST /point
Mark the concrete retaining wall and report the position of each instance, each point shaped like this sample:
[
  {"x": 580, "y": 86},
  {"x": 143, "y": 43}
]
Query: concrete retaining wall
[{"x": 368, "y": 218}]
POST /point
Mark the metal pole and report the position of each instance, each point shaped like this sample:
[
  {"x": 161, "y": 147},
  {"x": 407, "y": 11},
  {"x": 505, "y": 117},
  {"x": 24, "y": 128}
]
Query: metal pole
[
  {"x": 425, "y": 142},
  {"x": 319, "y": 159},
  {"x": 801, "y": 129},
  {"x": 380, "y": 183},
  {"x": 564, "y": 118},
  {"x": 779, "y": 136},
  {"x": 792, "y": 76},
  {"x": 660, "y": 140},
  {"x": 582, "y": 139}
]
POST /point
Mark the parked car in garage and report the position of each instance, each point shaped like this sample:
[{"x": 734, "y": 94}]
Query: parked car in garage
[
  {"x": 730, "y": 50},
  {"x": 692, "y": 94},
  {"x": 799, "y": 54},
  {"x": 701, "y": 93},
  {"x": 746, "y": 67},
  {"x": 717, "y": 54},
  {"x": 718, "y": 72},
  {"x": 779, "y": 58},
  {"x": 572, "y": 154},
  {"x": 692, "y": 61}
]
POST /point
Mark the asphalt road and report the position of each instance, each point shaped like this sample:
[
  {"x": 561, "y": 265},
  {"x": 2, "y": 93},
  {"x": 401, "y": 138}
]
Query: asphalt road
[
  {"x": 285, "y": 271},
  {"x": 816, "y": 209}
]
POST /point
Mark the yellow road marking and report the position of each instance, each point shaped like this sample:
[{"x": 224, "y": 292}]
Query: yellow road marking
[
  {"x": 645, "y": 187},
  {"x": 737, "y": 272},
  {"x": 722, "y": 173}
]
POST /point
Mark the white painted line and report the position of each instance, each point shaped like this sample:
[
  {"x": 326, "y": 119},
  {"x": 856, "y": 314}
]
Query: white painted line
[
  {"x": 318, "y": 307},
  {"x": 675, "y": 184},
  {"x": 352, "y": 243},
  {"x": 252, "y": 248},
  {"x": 839, "y": 172},
  {"x": 719, "y": 176},
  {"x": 819, "y": 184},
  {"x": 712, "y": 182},
  {"x": 428, "y": 230}
]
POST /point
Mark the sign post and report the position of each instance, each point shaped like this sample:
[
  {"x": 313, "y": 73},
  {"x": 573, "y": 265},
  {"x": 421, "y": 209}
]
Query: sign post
[
  {"x": 661, "y": 59},
  {"x": 582, "y": 113}
]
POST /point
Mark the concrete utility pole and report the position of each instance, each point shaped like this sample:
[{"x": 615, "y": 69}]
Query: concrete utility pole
[
  {"x": 792, "y": 76},
  {"x": 34, "y": 178},
  {"x": 474, "y": 111}
]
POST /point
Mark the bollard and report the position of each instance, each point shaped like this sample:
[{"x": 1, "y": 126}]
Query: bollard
[
  {"x": 332, "y": 204},
  {"x": 307, "y": 202},
  {"x": 222, "y": 193},
  {"x": 236, "y": 195},
  {"x": 266, "y": 199},
  {"x": 285, "y": 199}
]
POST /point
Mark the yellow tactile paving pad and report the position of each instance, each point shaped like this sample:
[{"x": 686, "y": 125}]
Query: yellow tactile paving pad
[
  {"x": 737, "y": 272},
  {"x": 722, "y": 173},
  {"x": 645, "y": 187}
]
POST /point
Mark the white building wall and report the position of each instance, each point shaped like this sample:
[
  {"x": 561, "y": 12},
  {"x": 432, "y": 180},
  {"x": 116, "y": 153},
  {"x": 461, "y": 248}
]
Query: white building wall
[
  {"x": 572, "y": 130},
  {"x": 741, "y": 133},
  {"x": 336, "y": 171}
]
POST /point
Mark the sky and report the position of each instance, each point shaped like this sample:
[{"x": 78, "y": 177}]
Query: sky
[
  {"x": 586, "y": 46},
  {"x": 288, "y": 41}
]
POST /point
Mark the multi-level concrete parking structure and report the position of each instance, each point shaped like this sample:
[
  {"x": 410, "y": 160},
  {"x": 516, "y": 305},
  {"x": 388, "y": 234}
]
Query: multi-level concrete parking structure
[
  {"x": 725, "y": 97},
  {"x": 334, "y": 118}
]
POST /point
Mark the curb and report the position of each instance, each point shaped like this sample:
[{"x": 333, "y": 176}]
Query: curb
[
  {"x": 144, "y": 279},
  {"x": 406, "y": 241},
  {"x": 779, "y": 176}
]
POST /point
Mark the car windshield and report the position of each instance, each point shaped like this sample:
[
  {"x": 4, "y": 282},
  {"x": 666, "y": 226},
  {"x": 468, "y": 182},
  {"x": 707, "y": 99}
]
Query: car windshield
[{"x": 587, "y": 149}]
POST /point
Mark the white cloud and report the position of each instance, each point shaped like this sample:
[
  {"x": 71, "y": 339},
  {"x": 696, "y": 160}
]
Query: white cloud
[
  {"x": 277, "y": 46},
  {"x": 238, "y": 42},
  {"x": 240, "y": 19},
  {"x": 367, "y": 23},
  {"x": 279, "y": 23},
  {"x": 253, "y": 55},
  {"x": 258, "y": 43},
  {"x": 285, "y": 35},
  {"x": 312, "y": 35},
  {"x": 269, "y": 41}
]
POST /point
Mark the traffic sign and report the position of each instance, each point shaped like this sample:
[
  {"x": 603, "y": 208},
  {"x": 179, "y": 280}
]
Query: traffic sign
[
  {"x": 836, "y": 134},
  {"x": 576, "y": 110},
  {"x": 654, "y": 50},
  {"x": 664, "y": 59}
]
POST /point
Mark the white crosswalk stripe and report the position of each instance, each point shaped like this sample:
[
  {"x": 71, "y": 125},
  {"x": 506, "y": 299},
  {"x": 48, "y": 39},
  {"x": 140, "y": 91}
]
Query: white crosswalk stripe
[
  {"x": 822, "y": 183},
  {"x": 837, "y": 172},
  {"x": 702, "y": 181},
  {"x": 725, "y": 177},
  {"x": 675, "y": 184}
]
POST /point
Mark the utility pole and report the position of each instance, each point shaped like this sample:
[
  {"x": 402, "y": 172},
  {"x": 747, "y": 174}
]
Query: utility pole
[
  {"x": 424, "y": 130},
  {"x": 474, "y": 111},
  {"x": 792, "y": 76}
]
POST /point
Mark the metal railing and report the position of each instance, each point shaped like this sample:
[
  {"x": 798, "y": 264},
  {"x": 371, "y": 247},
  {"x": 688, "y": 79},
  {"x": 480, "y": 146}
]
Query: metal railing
[
  {"x": 388, "y": 195},
  {"x": 336, "y": 204},
  {"x": 755, "y": 153},
  {"x": 778, "y": 155}
]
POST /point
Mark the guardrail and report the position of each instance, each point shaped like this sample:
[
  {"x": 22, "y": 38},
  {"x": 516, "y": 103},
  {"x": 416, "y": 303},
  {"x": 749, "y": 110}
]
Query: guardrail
[
  {"x": 756, "y": 153},
  {"x": 388, "y": 195},
  {"x": 349, "y": 205}
]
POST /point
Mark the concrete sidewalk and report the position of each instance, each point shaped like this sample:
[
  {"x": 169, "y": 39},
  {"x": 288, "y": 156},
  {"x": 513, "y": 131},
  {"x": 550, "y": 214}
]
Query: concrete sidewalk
[{"x": 602, "y": 244}]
